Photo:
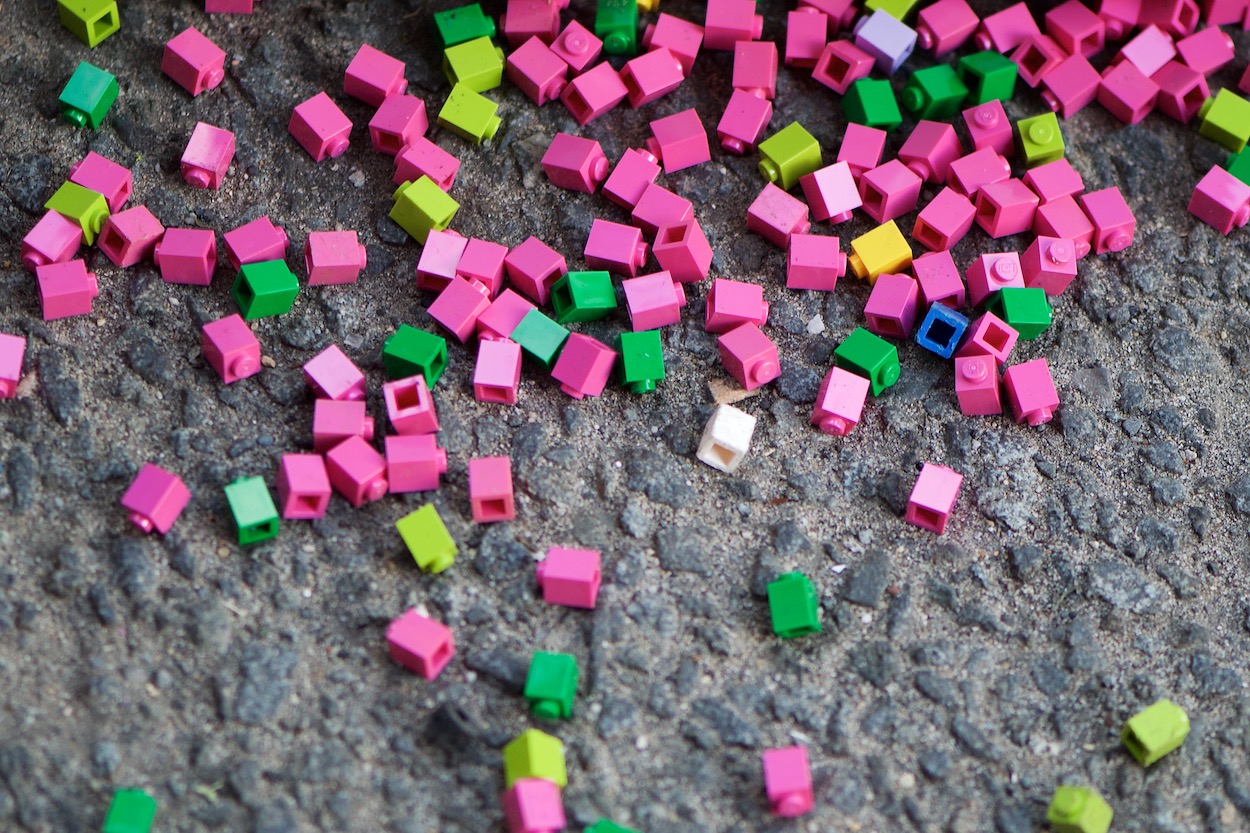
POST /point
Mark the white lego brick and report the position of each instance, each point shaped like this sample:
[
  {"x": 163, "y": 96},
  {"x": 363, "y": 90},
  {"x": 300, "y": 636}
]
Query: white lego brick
[{"x": 726, "y": 438}]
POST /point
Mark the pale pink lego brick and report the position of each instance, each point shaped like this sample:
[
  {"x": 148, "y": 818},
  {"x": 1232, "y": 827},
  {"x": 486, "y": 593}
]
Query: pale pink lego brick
[
  {"x": 755, "y": 68},
  {"x": 439, "y": 258},
  {"x": 653, "y": 301},
  {"x": 1006, "y": 208},
  {"x": 788, "y": 781},
  {"x": 651, "y": 76},
  {"x": 679, "y": 141},
  {"x": 861, "y": 148},
  {"x": 575, "y": 163},
  {"x": 989, "y": 127},
  {"x": 54, "y": 239},
  {"x": 1005, "y": 30},
  {"x": 839, "y": 402},
  {"x": 104, "y": 176},
  {"x": 12, "y": 350},
  {"x": 1031, "y": 392},
  {"x": 886, "y": 38},
  {"x": 730, "y": 21},
  {"x": 749, "y": 356},
  {"x": 889, "y": 191},
  {"x": 988, "y": 336},
  {"x": 1206, "y": 51},
  {"x": 419, "y": 644},
  {"x": 398, "y": 122},
  {"x": 1070, "y": 86},
  {"x": 939, "y": 279},
  {"x": 1076, "y": 28},
  {"x": 892, "y": 305},
  {"x": 730, "y": 304},
  {"x": 334, "y": 421},
  {"x": 193, "y": 61},
  {"x": 814, "y": 262},
  {"x": 482, "y": 261},
  {"x": 303, "y": 486},
  {"x": 977, "y": 385},
  {"x": 490, "y": 489},
  {"x": 1221, "y": 200},
  {"x": 1149, "y": 51},
  {"x": 320, "y": 127},
  {"x": 333, "y": 257},
  {"x": 570, "y": 577},
  {"x": 409, "y": 406},
  {"x": 584, "y": 366},
  {"x": 933, "y": 497},
  {"x": 593, "y": 93},
  {"x": 1054, "y": 180},
  {"x": 945, "y": 26},
  {"x": 155, "y": 499},
  {"x": 532, "y": 805},
  {"x": 1036, "y": 57},
  {"x": 930, "y": 149},
  {"x": 357, "y": 471},
  {"x": 1177, "y": 18},
  {"x": 992, "y": 272},
  {"x": 414, "y": 463},
  {"x": 577, "y": 46},
  {"x": 775, "y": 215},
  {"x": 497, "y": 373},
  {"x": 839, "y": 14},
  {"x": 743, "y": 123},
  {"x": 942, "y": 223},
  {"x": 503, "y": 315},
  {"x": 458, "y": 307},
  {"x": 831, "y": 192},
  {"x": 255, "y": 242},
  {"x": 1182, "y": 91},
  {"x": 968, "y": 174},
  {"x": 1049, "y": 263},
  {"x": 533, "y": 267},
  {"x": 634, "y": 172},
  {"x": 1064, "y": 219},
  {"x": 1120, "y": 16},
  {"x": 659, "y": 207},
  {"x": 525, "y": 19},
  {"x": 66, "y": 289},
  {"x": 129, "y": 237},
  {"x": 331, "y": 375},
  {"x": 1126, "y": 93},
  {"x": 678, "y": 36},
  {"x": 806, "y": 35},
  {"x": 231, "y": 348},
  {"x": 207, "y": 156},
  {"x": 424, "y": 158},
  {"x": 841, "y": 64},
  {"x": 1113, "y": 221},
  {"x": 615, "y": 247},
  {"x": 373, "y": 75},
  {"x": 538, "y": 71},
  {"x": 228, "y": 6},
  {"x": 683, "y": 251}
]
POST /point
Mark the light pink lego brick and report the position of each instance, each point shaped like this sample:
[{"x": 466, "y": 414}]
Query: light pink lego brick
[
  {"x": 755, "y": 68},
  {"x": 1064, "y": 219},
  {"x": 155, "y": 499},
  {"x": 992, "y": 272},
  {"x": 1054, "y": 180},
  {"x": 12, "y": 350},
  {"x": 357, "y": 471},
  {"x": 193, "y": 61},
  {"x": 570, "y": 577},
  {"x": 942, "y": 223},
  {"x": 584, "y": 366},
  {"x": 730, "y": 21},
  {"x": 1177, "y": 18},
  {"x": 66, "y": 289},
  {"x": 814, "y": 262},
  {"x": 373, "y": 75},
  {"x": 538, "y": 71},
  {"x": 1120, "y": 16},
  {"x": 841, "y": 64},
  {"x": 231, "y": 348},
  {"x": 653, "y": 301},
  {"x": 969, "y": 174},
  {"x": 497, "y": 372},
  {"x": 839, "y": 14},
  {"x": 1031, "y": 392},
  {"x": 1070, "y": 86},
  {"x": 482, "y": 261},
  {"x": 399, "y": 121},
  {"x": 683, "y": 251},
  {"x": 806, "y": 35},
  {"x": 255, "y": 242},
  {"x": 730, "y": 304},
  {"x": 679, "y": 141},
  {"x": 335, "y": 421},
  {"x": 616, "y": 248},
  {"x": 861, "y": 148},
  {"x": 593, "y": 93},
  {"x": 636, "y": 170},
  {"x": 458, "y": 307},
  {"x": 228, "y": 6},
  {"x": 744, "y": 121},
  {"x": 930, "y": 149},
  {"x": 320, "y": 127},
  {"x": 414, "y": 463},
  {"x": 424, "y": 158},
  {"x": 104, "y": 176},
  {"x": 577, "y": 46},
  {"x": 533, "y": 267},
  {"x": 749, "y": 356},
  {"x": 788, "y": 781},
  {"x": 775, "y": 215},
  {"x": 939, "y": 279},
  {"x": 1076, "y": 28},
  {"x": 1149, "y": 51},
  {"x": 1036, "y": 57},
  {"x": 1221, "y": 200},
  {"x": 989, "y": 128},
  {"x": 1049, "y": 263},
  {"x": 331, "y": 375},
  {"x": 532, "y": 805},
  {"x": 575, "y": 163},
  {"x": 419, "y": 644},
  {"x": 303, "y": 486},
  {"x": 945, "y": 26},
  {"x": 889, "y": 191},
  {"x": 503, "y": 315},
  {"x": 892, "y": 305},
  {"x": 1206, "y": 51},
  {"x": 1223, "y": 12},
  {"x": 839, "y": 402},
  {"x": 977, "y": 385},
  {"x": 333, "y": 257},
  {"x": 886, "y": 38},
  {"x": 1006, "y": 208},
  {"x": 933, "y": 497},
  {"x": 207, "y": 156},
  {"x": 439, "y": 258},
  {"x": 831, "y": 192},
  {"x": 1126, "y": 93},
  {"x": 129, "y": 237},
  {"x": 678, "y": 36},
  {"x": 1113, "y": 221},
  {"x": 54, "y": 239},
  {"x": 658, "y": 208},
  {"x": 651, "y": 76},
  {"x": 490, "y": 489},
  {"x": 988, "y": 336},
  {"x": 525, "y": 19},
  {"x": 1182, "y": 91},
  {"x": 409, "y": 406},
  {"x": 1005, "y": 30}
]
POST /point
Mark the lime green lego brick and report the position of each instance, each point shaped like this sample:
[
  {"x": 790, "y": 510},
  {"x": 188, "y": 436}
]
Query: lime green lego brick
[
  {"x": 541, "y": 338},
  {"x": 87, "y": 208},
  {"x": 1025, "y": 309},
  {"x": 989, "y": 76},
  {"x": 427, "y": 539},
  {"x": 254, "y": 513},
  {"x": 583, "y": 296},
  {"x": 788, "y": 155},
  {"x": 867, "y": 354},
  {"x": 88, "y": 96},
  {"x": 534, "y": 754},
  {"x": 897, "y": 9},
  {"x": 470, "y": 115},
  {"x": 1155, "y": 731},
  {"x": 551, "y": 685},
  {"x": 616, "y": 24},
  {"x": 871, "y": 102},
  {"x": 264, "y": 289},
  {"x": 410, "y": 351},
  {"x": 91, "y": 21},
  {"x": 935, "y": 93},
  {"x": 641, "y": 363},
  {"x": 477, "y": 64},
  {"x": 1039, "y": 139},
  {"x": 793, "y": 605},
  {"x": 1239, "y": 166},
  {"x": 605, "y": 826},
  {"x": 1078, "y": 810},
  {"x": 463, "y": 24},
  {"x": 421, "y": 207},
  {"x": 1226, "y": 119},
  {"x": 130, "y": 811}
]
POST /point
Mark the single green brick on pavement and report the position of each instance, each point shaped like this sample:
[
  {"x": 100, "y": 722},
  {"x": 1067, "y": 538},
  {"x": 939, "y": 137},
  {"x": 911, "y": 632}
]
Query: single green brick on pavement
[
  {"x": 255, "y": 516},
  {"x": 478, "y": 64},
  {"x": 1155, "y": 731},
  {"x": 1039, "y": 139},
  {"x": 1226, "y": 119},
  {"x": 551, "y": 685},
  {"x": 616, "y": 24},
  {"x": 583, "y": 296},
  {"x": 88, "y": 96},
  {"x": 1078, "y": 810},
  {"x": 788, "y": 155},
  {"x": 91, "y": 21},
  {"x": 897, "y": 9},
  {"x": 470, "y": 115},
  {"x": 541, "y": 338},
  {"x": 265, "y": 288},
  {"x": 989, "y": 76},
  {"x": 871, "y": 102},
  {"x": 463, "y": 23},
  {"x": 130, "y": 811},
  {"x": 534, "y": 754},
  {"x": 605, "y": 826},
  {"x": 793, "y": 605},
  {"x": 867, "y": 354},
  {"x": 427, "y": 539},
  {"x": 411, "y": 351},
  {"x": 1239, "y": 166},
  {"x": 87, "y": 208},
  {"x": 641, "y": 364},
  {"x": 421, "y": 207},
  {"x": 1024, "y": 308},
  {"x": 934, "y": 93}
]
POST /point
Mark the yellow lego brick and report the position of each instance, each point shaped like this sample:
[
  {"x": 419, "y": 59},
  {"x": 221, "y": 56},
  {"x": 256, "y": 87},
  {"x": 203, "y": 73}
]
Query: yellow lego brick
[{"x": 881, "y": 251}]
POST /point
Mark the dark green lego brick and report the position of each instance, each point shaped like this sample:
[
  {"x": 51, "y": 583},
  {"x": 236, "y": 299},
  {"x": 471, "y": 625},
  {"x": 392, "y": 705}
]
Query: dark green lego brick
[
  {"x": 794, "y": 606},
  {"x": 988, "y": 76},
  {"x": 551, "y": 685},
  {"x": 871, "y": 102},
  {"x": 463, "y": 24},
  {"x": 88, "y": 96},
  {"x": 1239, "y": 166},
  {"x": 583, "y": 296},
  {"x": 641, "y": 363},
  {"x": 867, "y": 354},
  {"x": 1024, "y": 308},
  {"x": 616, "y": 24},
  {"x": 935, "y": 93},
  {"x": 411, "y": 351},
  {"x": 265, "y": 288},
  {"x": 541, "y": 338}
]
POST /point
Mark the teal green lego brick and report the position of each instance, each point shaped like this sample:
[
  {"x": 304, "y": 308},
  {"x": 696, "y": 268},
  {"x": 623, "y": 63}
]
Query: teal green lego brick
[
  {"x": 88, "y": 96},
  {"x": 1155, "y": 731},
  {"x": 1025, "y": 309},
  {"x": 477, "y": 64},
  {"x": 934, "y": 93},
  {"x": 1239, "y": 166},
  {"x": 794, "y": 606},
  {"x": 421, "y": 207},
  {"x": 91, "y": 21},
  {"x": 534, "y": 754},
  {"x": 551, "y": 685},
  {"x": 255, "y": 515},
  {"x": 989, "y": 76},
  {"x": 427, "y": 539},
  {"x": 867, "y": 354},
  {"x": 265, "y": 288},
  {"x": 463, "y": 23},
  {"x": 470, "y": 115},
  {"x": 1039, "y": 140},
  {"x": 898, "y": 9},
  {"x": 410, "y": 351},
  {"x": 871, "y": 102},
  {"x": 85, "y": 207},
  {"x": 583, "y": 296},
  {"x": 788, "y": 155},
  {"x": 641, "y": 363},
  {"x": 1226, "y": 119},
  {"x": 1078, "y": 810},
  {"x": 541, "y": 338},
  {"x": 616, "y": 24},
  {"x": 605, "y": 826},
  {"x": 130, "y": 811}
]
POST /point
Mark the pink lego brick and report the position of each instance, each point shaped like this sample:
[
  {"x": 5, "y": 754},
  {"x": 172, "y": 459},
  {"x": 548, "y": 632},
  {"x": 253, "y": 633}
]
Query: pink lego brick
[
  {"x": 944, "y": 221},
  {"x": 230, "y": 348},
  {"x": 303, "y": 486},
  {"x": 840, "y": 14},
  {"x": 989, "y": 128},
  {"x": 887, "y": 39},
  {"x": 1149, "y": 51},
  {"x": 584, "y": 366},
  {"x": 104, "y": 176},
  {"x": 889, "y": 191},
  {"x": 66, "y": 289},
  {"x": 653, "y": 301},
  {"x": 333, "y": 257},
  {"x": 1031, "y": 392},
  {"x": 1223, "y": 12},
  {"x": 939, "y": 279},
  {"x": 651, "y": 76},
  {"x": 616, "y": 248},
  {"x": 1070, "y": 86},
  {"x": 730, "y": 21},
  {"x": 988, "y": 336},
  {"x": 320, "y": 127},
  {"x": 1126, "y": 93},
  {"x": 1005, "y": 30},
  {"x": 1113, "y": 221},
  {"x": 683, "y": 251},
  {"x": 373, "y": 75},
  {"x": 155, "y": 499},
  {"x": 730, "y": 304},
  {"x": 1036, "y": 57},
  {"x": 755, "y": 68},
  {"x": 12, "y": 350},
  {"x": 1049, "y": 263},
  {"x": 892, "y": 304},
  {"x": 424, "y": 158},
  {"x": 532, "y": 805},
  {"x": 1006, "y": 208},
  {"x": 788, "y": 781},
  {"x": 577, "y": 46},
  {"x": 1206, "y": 51},
  {"x": 409, "y": 406},
  {"x": 228, "y": 6},
  {"x": 840, "y": 402},
  {"x": 187, "y": 255},
  {"x": 933, "y": 497},
  {"x": 744, "y": 121},
  {"x": 1182, "y": 91},
  {"x": 1177, "y": 18},
  {"x": 254, "y": 242},
  {"x": 334, "y": 422},
  {"x": 1221, "y": 200},
  {"x": 399, "y": 121},
  {"x": 570, "y": 577},
  {"x": 678, "y": 36},
  {"x": 659, "y": 208},
  {"x": 207, "y": 156},
  {"x": 1054, "y": 180},
  {"x": 679, "y": 141},
  {"x": 490, "y": 489},
  {"x": 1120, "y": 16},
  {"x": 841, "y": 64},
  {"x": 525, "y": 19},
  {"x": 458, "y": 307},
  {"x": 502, "y": 316},
  {"x": 497, "y": 373},
  {"x": 538, "y": 71},
  {"x": 419, "y": 644},
  {"x": 992, "y": 272},
  {"x": 930, "y": 149},
  {"x": 414, "y": 463},
  {"x": 129, "y": 237},
  {"x": 969, "y": 174},
  {"x": 749, "y": 356},
  {"x": 814, "y": 262},
  {"x": 482, "y": 261},
  {"x": 54, "y": 239},
  {"x": 1064, "y": 219},
  {"x": 357, "y": 471},
  {"x": 593, "y": 93},
  {"x": 331, "y": 375},
  {"x": 807, "y": 32},
  {"x": 193, "y": 61},
  {"x": 977, "y": 385},
  {"x": 775, "y": 215},
  {"x": 1076, "y": 29},
  {"x": 439, "y": 258},
  {"x": 575, "y": 163},
  {"x": 533, "y": 267},
  {"x": 861, "y": 148},
  {"x": 831, "y": 192},
  {"x": 636, "y": 170},
  {"x": 945, "y": 26}
]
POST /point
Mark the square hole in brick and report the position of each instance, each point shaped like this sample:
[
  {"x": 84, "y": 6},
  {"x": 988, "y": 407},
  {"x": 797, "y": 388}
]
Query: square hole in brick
[
  {"x": 311, "y": 503},
  {"x": 926, "y": 236},
  {"x": 493, "y": 508},
  {"x": 1033, "y": 60},
  {"x": 1194, "y": 99},
  {"x": 874, "y": 200},
  {"x": 104, "y": 23},
  {"x": 390, "y": 141},
  {"x": 724, "y": 455},
  {"x": 926, "y": 517},
  {"x": 407, "y": 398},
  {"x": 672, "y": 235},
  {"x": 941, "y": 333},
  {"x": 996, "y": 337},
  {"x": 111, "y": 239},
  {"x": 490, "y": 393},
  {"x": 886, "y": 326}
]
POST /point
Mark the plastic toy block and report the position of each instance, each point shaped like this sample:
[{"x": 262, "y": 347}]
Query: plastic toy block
[
  {"x": 653, "y": 301},
  {"x": 540, "y": 337},
  {"x": 357, "y": 471},
  {"x": 1031, "y": 392},
  {"x": 1070, "y": 86},
  {"x": 228, "y": 6},
  {"x": 870, "y": 356},
  {"x": 155, "y": 499},
  {"x": 831, "y": 192},
  {"x": 939, "y": 279},
  {"x": 583, "y": 296},
  {"x": 1206, "y": 51},
  {"x": 88, "y": 96},
  {"x": 726, "y": 438},
  {"x": 130, "y": 236},
  {"x": 941, "y": 330},
  {"x": 251, "y": 506},
  {"x": 320, "y": 127},
  {"x": 86, "y": 208},
  {"x": 207, "y": 156},
  {"x": 470, "y": 115},
  {"x": 483, "y": 261},
  {"x": 934, "y": 93},
  {"x": 1054, "y": 180},
  {"x": 841, "y": 64},
  {"x": 399, "y": 121},
  {"x": 1078, "y": 810},
  {"x": 977, "y": 386},
  {"x": 871, "y": 102},
  {"x": 1024, "y": 309},
  {"x": 788, "y": 155},
  {"x": 1182, "y": 91},
  {"x": 497, "y": 373},
  {"x": 440, "y": 257},
  {"x": 806, "y": 36},
  {"x": 889, "y": 191},
  {"x": 533, "y": 267},
  {"x": 54, "y": 239},
  {"x": 1036, "y": 57},
  {"x": 1005, "y": 30},
  {"x": 730, "y": 304},
  {"x": 1120, "y": 17},
  {"x": 458, "y": 307},
  {"x": 988, "y": 127},
  {"x": 427, "y": 539},
  {"x": 421, "y": 207},
  {"x": 584, "y": 366},
  {"x": 107, "y": 178},
  {"x": 942, "y": 223},
  {"x": 424, "y": 158},
  {"x": 414, "y": 463},
  {"x": 1221, "y": 200},
  {"x": 335, "y": 421},
  {"x": 730, "y": 21},
  {"x": 1050, "y": 264},
  {"x": 793, "y": 605},
  {"x": 840, "y": 14},
  {"x": 1176, "y": 17},
  {"x": 409, "y": 406},
  {"x": 814, "y": 262},
  {"x": 616, "y": 24},
  {"x": 651, "y": 76},
  {"x": 929, "y": 150},
  {"x": 642, "y": 360},
  {"x": 788, "y": 781},
  {"x": 578, "y": 47},
  {"x": 570, "y": 577},
  {"x": 1225, "y": 119},
  {"x": 1126, "y": 93},
  {"x": 333, "y": 257},
  {"x": 683, "y": 251},
  {"x": 888, "y": 40},
  {"x": 968, "y": 174},
  {"x": 575, "y": 163},
  {"x": 193, "y": 61},
  {"x": 988, "y": 76},
  {"x": 1076, "y": 29},
  {"x": 534, "y": 754},
  {"x": 265, "y": 288},
  {"x": 743, "y": 123},
  {"x": 1064, "y": 219},
  {"x": 12, "y": 350},
  {"x": 533, "y": 805},
  {"x": 551, "y": 685},
  {"x": 899, "y": 9},
  {"x": 303, "y": 486},
  {"x": 891, "y": 308},
  {"x": 679, "y": 141},
  {"x": 749, "y": 356},
  {"x": 755, "y": 68},
  {"x": 775, "y": 215},
  {"x": 254, "y": 242},
  {"x": 839, "y": 402},
  {"x": 420, "y": 644},
  {"x": 1149, "y": 51},
  {"x": 945, "y": 26},
  {"x": 372, "y": 75},
  {"x": 659, "y": 208},
  {"x": 130, "y": 811},
  {"x": 933, "y": 497},
  {"x": 91, "y": 21},
  {"x": 66, "y": 289},
  {"x": 331, "y": 375},
  {"x": 593, "y": 93},
  {"x": 463, "y": 23},
  {"x": 537, "y": 71},
  {"x": 477, "y": 64},
  {"x": 1223, "y": 12},
  {"x": 501, "y": 318},
  {"x": 1006, "y": 208},
  {"x": 1155, "y": 731},
  {"x": 992, "y": 272},
  {"x": 989, "y": 336},
  {"x": 410, "y": 351},
  {"x": 231, "y": 348},
  {"x": 1113, "y": 221},
  {"x": 633, "y": 174},
  {"x": 524, "y": 19},
  {"x": 884, "y": 249},
  {"x": 680, "y": 37}
]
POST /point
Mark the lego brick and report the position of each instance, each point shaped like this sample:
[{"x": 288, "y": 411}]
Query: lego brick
[
  {"x": 303, "y": 486},
  {"x": 788, "y": 781},
  {"x": 66, "y": 289},
  {"x": 251, "y": 506},
  {"x": 12, "y": 350},
  {"x": 683, "y": 251},
  {"x": 939, "y": 279},
  {"x": 884, "y": 249},
  {"x": 583, "y": 296},
  {"x": 533, "y": 805},
  {"x": 439, "y": 259},
  {"x": 421, "y": 207},
  {"x": 889, "y": 191},
  {"x": 988, "y": 76},
  {"x": 320, "y": 127},
  {"x": 814, "y": 262},
  {"x": 1031, "y": 392},
  {"x": 540, "y": 338},
  {"x": 788, "y": 155},
  {"x": 871, "y": 102},
  {"x": 91, "y": 21},
  {"x": 1036, "y": 57},
  {"x": 483, "y": 261},
  {"x": 992, "y": 272},
  {"x": 1155, "y": 731},
  {"x": 755, "y": 68},
  {"x": 1176, "y": 17},
  {"x": 470, "y": 115},
  {"x": 1113, "y": 220},
  {"x": 490, "y": 489},
  {"x": 207, "y": 156},
  {"x": 794, "y": 606},
  {"x": 659, "y": 208},
  {"x": 534, "y": 754},
  {"x": 1221, "y": 200},
  {"x": 1053, "y": 180},
  {"x": 968, "y": 174},
  {"x": 831, "y": 192},
  {"x": 570, "y": 577},
  {"x": 1006, "y": 208},
  {"x": 458, "y": 307},
  {"x": 679, "y": 141},
  {"x": 575, "y": 163},
  {"x": 1049, "y": 263},
  {"x": 112, "y": 181},
  {"x": 551, "y": 685},
  {"x": 414, "y": 463},
  {"x": 424, "y": 158},
  {"x": 155, "y": 499},
  {"x": 726, "y": 438},
  {"x": 616, "y": 24},
  {"x": 653, "y": 301},
  {"x": 357, "y": 471},
  {"x": 533, "y": 267},
  {"x": 88, "y": 209},
  {"x": 1003, "y": 31},
  {"x": 775, "y": 216},
  {"x": 477, "y": 64},
  {"x": 988, "y": 127},
  {"x": 130, "y": 236},
  {"x": 1207, "y": 51},
  {"x": 942, "y": 223},
  {"x": 634, "y": 172},
  {"x": 264, "y": 289},
  {"x": 130, "y": 811},
  {"x": 1078, "y": 810},
  {"x": 193, "y": 61},
  {"x": 410, "y": 351},
  {"x": 839, "y": 402},
  {"x": 409, "y": 406},
  {"x": 934, "y": 93},
  {"x": 584, "y": 366},
  {"x": 578, "y": 47},
  {"x": 731, "y": 304},
  {"x": 333, "y": 257},
  {"x": 337, "y": 420},
  {"x": 841, "y": 64},
  {"x": 1225, "y": 119},
  {"x": 743, "y": 123},
  {"x": 427, "y": 539},
  {"x": 463, "y": 23},
  {"x": 887, "y": 39},
  {"x": 231, "y": 348},
  {"x": 372, "y": 75},
  {"x": 398, "y": 122},
  {"x": 933, "y": 497},
  {"x": 977, "y": 386},
  {"x": 941, "y": 330},
  {"x": 504, "y": 313},
  {"x": 88, "y": 96},
  {"x": 1064, "y": 219},
  {"x": 523, "y": 19},
  {"x": 891, "y": 308},
  {"x": 929, "y": 150},
  {"x": 989, "y": 336},
  {"x": 807, "y": 32},
  {"x": 539, "y": 72},
  {"x": 420, "y": 644},
  {"x": 593, "y": 93},
  {"x": 1025, "y": 309},
  {"x": 749, "y": 356},
  {"x": 1075, "y": 28},
  {"x": 870, "y": 356},
  {"x": 641, "y": 365},
  {"x": 651, "y": 76},
  {"x": 1182, "y": 91},
  {"x": 497, "y": 372},
  {"x": 255, "y": 242},
  {"x": 1070, "y": 86},
  {"x": 54, "y": 239},
  {"x": 945, "y": 26},
  {"x": 729, "y": 21}
]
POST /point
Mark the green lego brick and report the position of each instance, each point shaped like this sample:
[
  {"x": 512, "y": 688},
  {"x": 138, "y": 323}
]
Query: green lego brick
[
  {"x": 934, "y": 93},
  {"x": 85, "y": 207},
  {"x": 1239, "y": 166},
  {"x": 988, "y": 76},
  {"x": 616, "y": 24},
  {"x": 265, "y": 288},
  {"x": 641, "y": 366},
  {"x": 1226, "y": 119},
  {"x": 427, "y": 539},
  {"x": 1039, "y": 139},
  {"x": 551, "y": 685},
  {"x": 605, "y": 826},
  {"x": 789, "y": 154},
  {"x": 411, "y": 351},
  {"x": 255, "y": 516},
  {"x": 130, "y": 811},
  {"x": 583, "y": 296},
  {"x": 871, "y": 102},
  {"x": 534, "y": 754},
  {"x": 91, "y": 21},
  {"x": 867, "y": 354},
  {"x": 1025, "y": 309},
  {"x": 421, "y": 207},
  {"x": 88, "y": 96},
  {"x": 463, "y": 23},
  {"x": 470, "y": 115},
  {"x": 541, "y": 338},
  {"x": 1155, "y": 731},
  {"x": 477, "y": 64},
  {"x": 794, "y": 606},
  {"x": 1078, "y": 810}
]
